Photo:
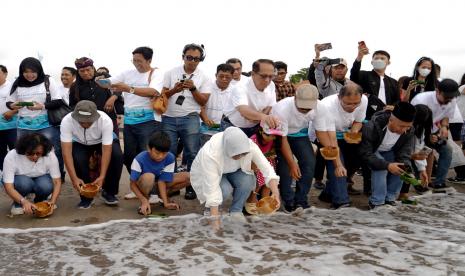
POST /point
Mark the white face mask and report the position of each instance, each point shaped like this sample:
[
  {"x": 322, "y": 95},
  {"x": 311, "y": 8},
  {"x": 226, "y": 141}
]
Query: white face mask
[
  {"x": 424, "y": 72},
  {"x": 378, "y": 64}
]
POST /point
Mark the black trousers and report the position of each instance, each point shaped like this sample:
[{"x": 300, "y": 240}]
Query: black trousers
[{"x": 81, "y": 155}]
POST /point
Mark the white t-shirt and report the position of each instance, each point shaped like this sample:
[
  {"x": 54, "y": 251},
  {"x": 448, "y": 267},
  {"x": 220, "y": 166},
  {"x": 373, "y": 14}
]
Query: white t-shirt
[
  {"x": 101, "y": 131},
  {"x": 201, "y": 81},
  {"x": 64, "y": 92},
  {"x": 439, "y": 111},
  {"x": 248, "y": 94},
  {"x": 382, "y": 90},
  {"x": 19, "y": 164},
  {"x": 297, "y": 122},
  {"x": 217, "y": 102},
  {"x": 138, "y": 109},
  {"x": 332, "y": 117},
  {"x": 389, "y": 140},
  {"x": 34, "y": 119}
]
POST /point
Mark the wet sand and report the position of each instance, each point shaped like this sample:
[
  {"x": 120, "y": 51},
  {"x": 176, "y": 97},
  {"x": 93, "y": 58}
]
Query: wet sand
[{"x": 67, "y": 214}]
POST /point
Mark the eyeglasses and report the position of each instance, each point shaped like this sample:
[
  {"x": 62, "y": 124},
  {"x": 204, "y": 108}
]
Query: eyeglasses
[
  {"x": 191, "y": 58},
  {"x": 264, "y": 76}
]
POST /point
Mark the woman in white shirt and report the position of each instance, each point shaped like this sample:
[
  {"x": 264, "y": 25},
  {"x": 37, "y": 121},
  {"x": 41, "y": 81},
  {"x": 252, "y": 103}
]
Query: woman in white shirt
[{"x": 31, "y": 167}]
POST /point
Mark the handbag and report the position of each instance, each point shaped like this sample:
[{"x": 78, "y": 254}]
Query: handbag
[
  {"x": 55, "y": 115},
  {"x": 159, "y": 103}
]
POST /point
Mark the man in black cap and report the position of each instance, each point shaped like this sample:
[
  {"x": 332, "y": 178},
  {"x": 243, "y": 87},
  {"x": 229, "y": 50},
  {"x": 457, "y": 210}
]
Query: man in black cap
[
  {"x": 387, "y": 144},
  {"x": 442, "y": 103},
  {"x": 84, "y": 133}
]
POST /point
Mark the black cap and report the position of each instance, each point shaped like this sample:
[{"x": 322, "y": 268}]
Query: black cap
[
  {"x": 404, "y": 111},
  {"x": 449, "y": 88}
]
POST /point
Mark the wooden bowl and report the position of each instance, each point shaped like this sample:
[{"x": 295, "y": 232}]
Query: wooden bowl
[
  {"x": 44, "y": 209},
  {"x": 88, "y": 190},
  {"x": 353, "y": 138},
  {"x": 267, "y": 205},
  {"x": 329, "y": 153}
]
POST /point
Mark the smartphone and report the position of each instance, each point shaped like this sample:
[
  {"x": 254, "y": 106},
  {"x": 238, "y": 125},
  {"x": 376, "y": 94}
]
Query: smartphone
[
  {"x": 362, "y": 44},
  {"x": 324, "y": 46},
  {"x": 104, "y": 82},
  {"x": 427, "y": 150},
  {"x": 25, "y": 104},
  {"x": 420, "y": 82}
]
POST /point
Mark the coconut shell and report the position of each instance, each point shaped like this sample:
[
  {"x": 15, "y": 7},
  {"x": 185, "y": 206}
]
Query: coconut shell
[
  {"x": 89, "y": 190},
  {"x": 353, "y": 138},
  {"x": 329, "y": 153},
  {"x": 267, "y": 205},
  {"x": 44, "y": 209}
]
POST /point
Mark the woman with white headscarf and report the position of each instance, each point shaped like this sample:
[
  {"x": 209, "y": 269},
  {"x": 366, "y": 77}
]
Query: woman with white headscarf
[{"x": 223, "y": 166}]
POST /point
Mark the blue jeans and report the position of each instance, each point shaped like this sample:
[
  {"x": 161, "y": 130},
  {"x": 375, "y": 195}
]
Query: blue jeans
[
  {"x": 445, "y": 158},
  {"x": 302, "y": 149},
  {"x": 384, "y": 185},
  {"x": 136, "y": 138},
  {"x": 187, "y": 129},
  {"x": 7, "y": 142},
  {"x": 41, "y": 186},
  {"x": 240, "y": 185},
  {"x": 336, "y": 187}
]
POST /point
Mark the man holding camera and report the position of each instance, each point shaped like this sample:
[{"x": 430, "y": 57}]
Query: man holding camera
[
  {"x": 337, "y": 75},
  {"x": 187, "y": 88},
  {"x": 442, "y": 104}
]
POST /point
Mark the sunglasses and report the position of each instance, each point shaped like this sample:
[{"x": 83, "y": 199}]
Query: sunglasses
[{"x": 191, "y": 58}]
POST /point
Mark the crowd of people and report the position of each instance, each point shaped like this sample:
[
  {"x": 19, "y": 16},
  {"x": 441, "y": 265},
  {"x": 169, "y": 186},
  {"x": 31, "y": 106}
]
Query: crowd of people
[{"x": 246, "y": 135}]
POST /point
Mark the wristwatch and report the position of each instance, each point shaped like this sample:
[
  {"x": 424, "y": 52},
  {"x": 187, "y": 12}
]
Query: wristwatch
[
  {"x": 193, "y": 89},
  {"x": 132, "y": 90}
]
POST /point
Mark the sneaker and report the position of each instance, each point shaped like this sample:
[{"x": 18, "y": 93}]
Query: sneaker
[
  {"x": 441, "y": 186},
  {"x": 299, "y": 210},
  {"x": 288, "y": 209},
  {"x": 421, "y": 190},
  {"x": 85, "y": 203},
  {"x": 390, "y": 202},
  {"x": 16, "y": 209},
  {"x": 335, "y": 206},
  {"x": 190, "y": 193},
  {"x": 319, "y": 185},
  {"x": 456, "y": 180},
  {"x": 130, "y": 195},
  {"x": 371, "y": 206},
  {"x": 154, "y": 199},
  {"x": 181, "y": 168},
  {"x": 109, "y": 199}
]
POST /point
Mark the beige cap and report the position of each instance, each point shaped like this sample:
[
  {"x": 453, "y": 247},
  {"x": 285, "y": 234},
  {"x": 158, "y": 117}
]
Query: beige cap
[{"x": 306, "y": 96}]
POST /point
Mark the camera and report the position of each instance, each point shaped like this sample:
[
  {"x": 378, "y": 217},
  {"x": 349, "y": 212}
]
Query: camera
[{"x": 329, "y": 61}]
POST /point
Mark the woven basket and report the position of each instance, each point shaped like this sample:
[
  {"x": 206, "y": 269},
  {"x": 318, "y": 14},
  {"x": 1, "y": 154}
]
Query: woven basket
[
  {"x": 329, "y": 153},
  {"x": 44, "y": 209},
  {"x": 88, "y": 190},
  {"x": 353, "y": 138},
  {"x": 267, "y": 205}
]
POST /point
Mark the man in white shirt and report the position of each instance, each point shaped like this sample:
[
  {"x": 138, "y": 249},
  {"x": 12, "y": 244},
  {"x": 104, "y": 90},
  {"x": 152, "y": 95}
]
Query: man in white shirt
[
  {"x": 251, "y": 102},
  {"x": 442, "y": 103},
  {"x": 68, "y": 76},
  {"x": 187, "y": 88},
  {"x": 238, "y": 78},
  {"x": 387, "y": 144},
  {"x": 223, "y": 167},
  {"x": 212, "y": 112},
  {"x": 339, "y": 113},
  {"x": 139, "y": 85},
  {"x": 86, "y": 132},
  {"x": 297, "y": 113}
]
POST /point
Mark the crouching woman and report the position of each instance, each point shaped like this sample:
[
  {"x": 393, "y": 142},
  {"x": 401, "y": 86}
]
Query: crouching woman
[
  {"x": 31, "y": 168},
  {"x": 223, "y": 166}
]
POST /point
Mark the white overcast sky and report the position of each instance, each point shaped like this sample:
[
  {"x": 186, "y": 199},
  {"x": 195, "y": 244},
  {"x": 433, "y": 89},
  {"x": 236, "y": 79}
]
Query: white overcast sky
[{"x": 108, "y": 31}]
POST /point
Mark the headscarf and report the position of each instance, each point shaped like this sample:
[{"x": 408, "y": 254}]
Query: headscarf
[
  {"x": 83, "y": 62},
  {"x": 235, "y": 142},
  {"x": 34, "y": 65}
]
